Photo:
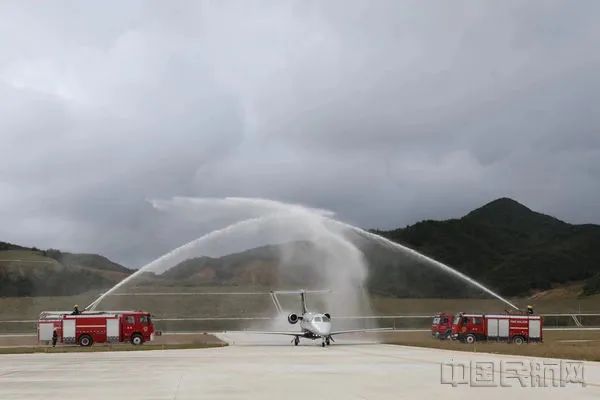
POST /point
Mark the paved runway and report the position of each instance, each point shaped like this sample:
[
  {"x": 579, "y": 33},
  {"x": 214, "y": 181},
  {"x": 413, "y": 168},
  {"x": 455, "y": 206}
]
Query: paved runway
[{"x": 246, "y": 370}]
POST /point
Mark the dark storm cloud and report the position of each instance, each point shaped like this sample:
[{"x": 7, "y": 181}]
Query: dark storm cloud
[{"x": 385, "y": 112}]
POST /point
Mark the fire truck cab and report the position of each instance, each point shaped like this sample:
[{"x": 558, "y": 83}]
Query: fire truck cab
[
  {"x": 515, "y": 328},
  {"x": 91, "y": 327},
  {"x": 441, "y": 326}
]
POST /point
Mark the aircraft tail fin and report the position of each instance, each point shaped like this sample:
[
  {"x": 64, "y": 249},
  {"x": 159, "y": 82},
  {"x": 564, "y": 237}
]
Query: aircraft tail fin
[
  {"x": 303, "y": 299},
  {"x": 276, "y": 302}
]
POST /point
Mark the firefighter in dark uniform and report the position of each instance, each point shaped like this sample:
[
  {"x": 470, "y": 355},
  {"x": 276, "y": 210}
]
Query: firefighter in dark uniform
[
  {"x": 76, "y": 310},
  {"x": 54, "y": 338}
]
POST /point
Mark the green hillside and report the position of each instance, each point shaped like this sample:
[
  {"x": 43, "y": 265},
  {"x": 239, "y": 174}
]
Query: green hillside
[
  {"x": 505, "y": 245},
  {"x": 32, "y": 272},
  {"x": 261, "y": 266},
  {"x": 510, "y": 248}
]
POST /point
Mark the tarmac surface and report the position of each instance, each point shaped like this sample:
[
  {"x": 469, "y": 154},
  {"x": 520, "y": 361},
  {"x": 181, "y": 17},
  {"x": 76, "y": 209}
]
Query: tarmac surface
[{"x": 265, "y": 367}]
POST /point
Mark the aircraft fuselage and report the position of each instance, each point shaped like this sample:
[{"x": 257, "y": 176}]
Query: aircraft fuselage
[{"x": 315, "y": 325}]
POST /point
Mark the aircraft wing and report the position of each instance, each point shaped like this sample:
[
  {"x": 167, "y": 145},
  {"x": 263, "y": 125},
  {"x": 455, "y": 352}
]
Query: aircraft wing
[
  {"x": 361, "y": 331},
  {"x": 275, "y": 333}
]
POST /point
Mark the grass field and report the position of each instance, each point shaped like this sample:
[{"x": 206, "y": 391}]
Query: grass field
[
  {"x": 261, "y": 305},
  {"x": 550, "y": 304},
  {"x": 222, "y": 306},
  {"x": 29, "y": 344},
  {"x": 99, "y": 348},
  {"x": 25, "y": 256},
  {"x": 583, "y": 345},
  {"x": 576, "y": 345}
]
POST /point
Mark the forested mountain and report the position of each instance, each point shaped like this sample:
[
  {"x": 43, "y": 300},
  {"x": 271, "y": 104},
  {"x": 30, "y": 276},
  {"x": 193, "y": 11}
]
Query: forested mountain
[
  {"x": 503, "y": 244},
  {"x": 510, "y": 248}
]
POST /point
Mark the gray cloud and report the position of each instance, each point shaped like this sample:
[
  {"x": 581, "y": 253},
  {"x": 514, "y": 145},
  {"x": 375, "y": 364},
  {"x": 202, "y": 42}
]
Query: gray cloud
[{"x": 385, "y": 112}]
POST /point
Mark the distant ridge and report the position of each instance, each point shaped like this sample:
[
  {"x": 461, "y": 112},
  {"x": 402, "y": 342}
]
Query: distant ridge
[
  {"x": 503, "y": 244},
  {"x": 28, "y": 271},
  {"x": 10, "y": 246},
  {"x": 508, "y": 213},
  {"x": 510, "y": 248}
]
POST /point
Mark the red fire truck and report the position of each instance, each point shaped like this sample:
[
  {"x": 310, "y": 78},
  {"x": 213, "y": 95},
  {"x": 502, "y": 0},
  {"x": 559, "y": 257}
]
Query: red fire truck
[
  {"x": 516, "y": 328},
  {"x": 91, "y": 327},
  {"x": 441, "y": 327}
]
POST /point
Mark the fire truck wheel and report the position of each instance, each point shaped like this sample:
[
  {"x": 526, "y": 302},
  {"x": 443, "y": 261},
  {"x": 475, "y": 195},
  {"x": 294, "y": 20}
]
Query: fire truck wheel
[
  {"x": 85, "y": 340},
  {"x": 470, "y": 339},
  {"x": 137, "y": 339},
  {"x": 518, "y": 340}
]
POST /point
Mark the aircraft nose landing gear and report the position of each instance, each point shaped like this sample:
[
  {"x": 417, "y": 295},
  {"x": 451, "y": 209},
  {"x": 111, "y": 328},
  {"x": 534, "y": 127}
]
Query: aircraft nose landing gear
[
  {"x": 327, "y": 341},
  {"x": 296, "y": 341}
]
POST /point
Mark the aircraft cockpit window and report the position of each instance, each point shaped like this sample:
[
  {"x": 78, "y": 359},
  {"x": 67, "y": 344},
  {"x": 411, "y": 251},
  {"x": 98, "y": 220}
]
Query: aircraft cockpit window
[
  {"x": 317, "y": 319},
  {"x": 325, "y": 318}
]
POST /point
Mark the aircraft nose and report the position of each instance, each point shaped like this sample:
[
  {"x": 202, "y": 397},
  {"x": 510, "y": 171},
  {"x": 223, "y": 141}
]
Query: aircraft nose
[{"x": 324, "y": 329}]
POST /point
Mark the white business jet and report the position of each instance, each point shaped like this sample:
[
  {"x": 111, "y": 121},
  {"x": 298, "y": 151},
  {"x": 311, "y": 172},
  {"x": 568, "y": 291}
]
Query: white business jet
[{"x": 314, "y": 325}]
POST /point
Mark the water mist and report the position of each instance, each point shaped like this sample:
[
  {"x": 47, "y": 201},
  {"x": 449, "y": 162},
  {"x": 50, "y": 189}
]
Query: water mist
[{"x": 335, "y": 262}]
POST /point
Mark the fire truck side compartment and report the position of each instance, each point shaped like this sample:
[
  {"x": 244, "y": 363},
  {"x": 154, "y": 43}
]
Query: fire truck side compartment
[
  {"x": 112, "y": 329},
  {"x": 69, "y": 331},
  {"x": 535, "y": 329},
  {"x": 46, "y": 330},
  {"x": 492, "y": 327},
  {"x": 503, "y": 328}
]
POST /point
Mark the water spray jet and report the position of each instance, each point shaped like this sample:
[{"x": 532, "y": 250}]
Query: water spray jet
[
  {"x": 396, "y": 246},
  {"x": 314, "y": 223}
]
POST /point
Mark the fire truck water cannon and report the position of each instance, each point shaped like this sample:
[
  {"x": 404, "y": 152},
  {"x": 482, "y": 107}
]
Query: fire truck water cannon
[{"x": 88, "y": 327}]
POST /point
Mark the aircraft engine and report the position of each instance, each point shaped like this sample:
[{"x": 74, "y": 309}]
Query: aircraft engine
[
  {"x": 327, "y": 315},
  {"x": 292, "y": 318}
]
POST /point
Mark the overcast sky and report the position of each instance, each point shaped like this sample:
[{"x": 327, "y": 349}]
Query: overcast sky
[{"x": 384, "y": 112}]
